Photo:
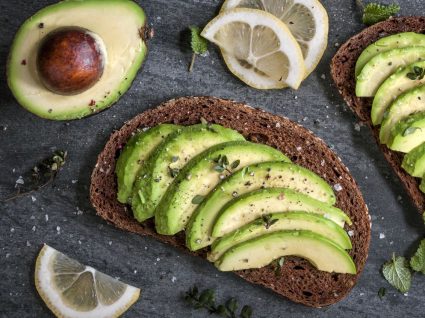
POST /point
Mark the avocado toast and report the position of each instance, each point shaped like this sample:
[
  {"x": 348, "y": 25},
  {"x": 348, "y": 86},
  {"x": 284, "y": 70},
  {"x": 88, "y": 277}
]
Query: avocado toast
[
  {"x": 299, "y": 281},
  {"x": 343, "y": 72}
]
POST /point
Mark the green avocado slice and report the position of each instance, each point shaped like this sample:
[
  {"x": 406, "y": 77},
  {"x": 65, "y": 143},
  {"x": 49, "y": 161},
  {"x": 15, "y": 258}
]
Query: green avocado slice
[
  {"x": 135, "y": 153},
  {"x": 380, "y": 67},
  {"x": 414, "y": 161},
  {"x": 250, "y": 178},
  {"x": 388, "y": 43},
  {"x": 411, "y": 102},
  {"x": 258, "y": 252},
  {"x": 293, "y": 220},
  {"x": 408, "y": 133},
  {"x": 123, "y": 41},
  {"x": 255, "y": 204},
  {"x": 394, "y": 86},
  {"x": 201, "y": 175},
  {"x": 169, "y": 158}
]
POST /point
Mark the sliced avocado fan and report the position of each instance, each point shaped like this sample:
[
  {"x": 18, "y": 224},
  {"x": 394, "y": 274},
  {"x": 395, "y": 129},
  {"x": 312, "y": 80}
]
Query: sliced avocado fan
[
  {"x": 201, "y": 175},
  {"x": 168, "y": 159},
  {"x": 263, "y": 175}
]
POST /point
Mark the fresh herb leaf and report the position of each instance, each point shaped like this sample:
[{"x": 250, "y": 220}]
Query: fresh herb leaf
[
  {"x": 418, "y": 73},
  {"x": 374, "y": 13},
  {"x": 235, "y": 164},
  {"x": 246, "y": 312},
  {"x": 397, "y": 273},
  {"x": 219, "y": 168},
  {"x": 417, "y": 262},
  {"x": 381, "y": 292},
  {"x": 198, "y": 44},
  {"x": 268, "y": 221},
  {"x": 197, "y": 199},
  {"x": 410, "y": 130},
  {"x": 40, "y": 176},
  {"x": 278, "y": 265}
]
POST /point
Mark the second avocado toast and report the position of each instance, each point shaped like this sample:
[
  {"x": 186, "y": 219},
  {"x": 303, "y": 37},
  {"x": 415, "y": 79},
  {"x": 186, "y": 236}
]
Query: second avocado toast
[{"x": 299, "y": 281}]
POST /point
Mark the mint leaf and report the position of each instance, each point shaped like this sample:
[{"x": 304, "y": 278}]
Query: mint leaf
[
  {"x": 397, "y": 273},
  {"x": 374, "y": 13},
  {"x": 417, "y": 262},
  {"x": 198, "y": 44}
]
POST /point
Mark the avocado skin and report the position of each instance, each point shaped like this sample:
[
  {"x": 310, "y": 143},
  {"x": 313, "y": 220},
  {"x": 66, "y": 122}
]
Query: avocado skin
[
  {"x": 136, "y": 151},
  {"x": 85, "y": 108},
  {"x": 387, "y": 43},
  {"x": 404, "y": 141},
  {"x": 291, "y": 220},
  {"x": 154, "y": 178},
  {"x": 267, "y": 174},
  {"x": 306, "y": 244},
  {"x": 411, "y": 102},
  {"x": 414, "y": 161},
  {"x": 394, "y": 86},
  {"x": 172, "y": 213}
]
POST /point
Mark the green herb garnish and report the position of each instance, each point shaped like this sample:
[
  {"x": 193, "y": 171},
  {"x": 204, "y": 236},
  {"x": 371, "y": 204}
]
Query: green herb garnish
[
  {"x": 381, "y": 292},
  {"x": 410, "y": 130},
  {"x": 397, "y": 273},
  {"x": 198, "y": 44},
  {"x": 374, "y": 12},
  {"x": 43, "y": 174},
  {"x": 206, "y": 300},
  {"x": 197, "y": 199},
  {"x": 278, "y": 265},
  {"x": 418, "y": 73},
  {"x": 417, "y": 262},
  {"x": 268, "y": 221}
]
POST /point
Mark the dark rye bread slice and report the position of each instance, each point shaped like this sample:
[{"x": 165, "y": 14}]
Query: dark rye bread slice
[
  {"x": 299, "y": 281},
  {"x": 342, "y": 70}
]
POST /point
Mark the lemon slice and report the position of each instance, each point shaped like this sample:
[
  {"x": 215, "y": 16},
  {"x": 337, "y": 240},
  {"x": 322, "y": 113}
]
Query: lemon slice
[
  {"x": 306, "y": 19},
  {"x": 258, "y": 48},
  {"x": 71, "y": 289}
]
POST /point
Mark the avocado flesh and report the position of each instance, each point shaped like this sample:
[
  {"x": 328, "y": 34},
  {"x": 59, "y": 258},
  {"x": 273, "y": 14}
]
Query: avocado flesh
[
  {"x": 253, "y": 205},
  {"x": 414, "y": 161},
  {"x": 380, "y": 67},
  {"x": 174, "y": 153},
  {"x": 125, "y": 48},
  {"x": 391, "y": 88},
  {"x": 199, "y": 177},
  {"x": 408, "y": 133},
  {"x": 266, "y": 175},
  {"x": 259, "y": 252},
  {"x": 411, "y": 102},
  {"x": 135, "y": 153},
  {"x": 294, "y": 220},
  {"x": 388, "y": 43}
]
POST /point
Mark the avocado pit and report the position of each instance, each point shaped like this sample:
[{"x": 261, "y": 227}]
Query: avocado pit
[{"x": 70, "y": 60}]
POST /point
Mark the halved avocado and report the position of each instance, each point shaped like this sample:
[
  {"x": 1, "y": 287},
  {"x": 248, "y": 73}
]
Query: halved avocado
[
  {"x": 123, "y": 45},
  {"x": 408, "y": 133},
  {"x": 255, "y": 204},
  {"x": 201, "y": 175},
  {"x": 293, "y": 220},
  {"x": 392, "y": 87},
  {"x": 411, "y": 102},
  {"x": 135, "y": 153},
  {"x": 380, "y": 67},
  {"x": 388, "y": 43},
  {"x": 254, "y": 177},
  {"x": 169, "y": 158},
  {"x": 414, "y": 161},
  {"x": 258, "y": 252}
]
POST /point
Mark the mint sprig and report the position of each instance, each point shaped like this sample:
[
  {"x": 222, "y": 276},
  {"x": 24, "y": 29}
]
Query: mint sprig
[
  {"x": 198, "y": 44},
  {"x": 375, "y": 12},
  {"x": 397, "y": 273},
  {"x": 417, "y": 262}
]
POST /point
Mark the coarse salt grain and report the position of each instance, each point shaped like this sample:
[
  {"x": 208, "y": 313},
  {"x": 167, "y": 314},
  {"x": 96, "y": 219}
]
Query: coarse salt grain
[{"x": 337, "y": 187}]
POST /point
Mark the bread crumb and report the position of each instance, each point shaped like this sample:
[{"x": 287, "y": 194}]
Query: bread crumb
[
  {"x": 299, "y": 148},
  {"x": 277, "y": 125}
]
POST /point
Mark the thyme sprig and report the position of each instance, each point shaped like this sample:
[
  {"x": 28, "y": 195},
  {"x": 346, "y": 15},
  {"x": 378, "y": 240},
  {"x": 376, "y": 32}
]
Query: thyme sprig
[
  {"x": 206, "y": 300},
  {"x": 39, "y": 176},
  {"x": 222, "y": 164}
]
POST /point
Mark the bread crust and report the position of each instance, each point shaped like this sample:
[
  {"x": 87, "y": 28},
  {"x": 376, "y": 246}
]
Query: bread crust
[
  {"x": 342, "y": 71},
  {"x": 299, "y": 281}
]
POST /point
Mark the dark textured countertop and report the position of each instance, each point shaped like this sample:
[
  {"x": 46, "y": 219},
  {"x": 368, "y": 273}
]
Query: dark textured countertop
[{"x": 62, "y": 216}]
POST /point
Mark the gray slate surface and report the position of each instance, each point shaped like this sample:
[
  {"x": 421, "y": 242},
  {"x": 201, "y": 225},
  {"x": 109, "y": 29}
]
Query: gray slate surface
[{"x": 161, "y": 271}]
